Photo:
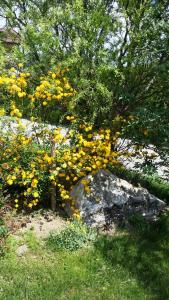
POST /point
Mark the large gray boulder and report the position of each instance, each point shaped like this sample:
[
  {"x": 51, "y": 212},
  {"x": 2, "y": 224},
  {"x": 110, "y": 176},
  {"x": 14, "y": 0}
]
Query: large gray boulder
[{"x": 110, "y": 199}]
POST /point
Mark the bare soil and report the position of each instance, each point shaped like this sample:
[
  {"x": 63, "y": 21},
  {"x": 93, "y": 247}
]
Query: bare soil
[{"x": 42, "y": 222}]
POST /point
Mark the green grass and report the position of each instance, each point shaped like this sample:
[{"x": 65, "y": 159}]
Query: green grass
[
  {"x": 75, "y": 236},
  {"x": 126, "y": 266}
]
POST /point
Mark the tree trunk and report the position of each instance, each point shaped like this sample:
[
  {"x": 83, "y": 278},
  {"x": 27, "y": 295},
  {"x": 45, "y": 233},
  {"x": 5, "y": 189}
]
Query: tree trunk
[
  {"x": 53, "y": 187},
  {"x": 53, "y": 197}
]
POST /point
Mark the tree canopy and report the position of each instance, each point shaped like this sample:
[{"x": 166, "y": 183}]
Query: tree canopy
[{"x": 117, "y": 53}]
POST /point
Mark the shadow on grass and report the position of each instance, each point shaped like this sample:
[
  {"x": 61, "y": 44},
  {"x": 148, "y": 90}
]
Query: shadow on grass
[{"x": 144, "y": 253}]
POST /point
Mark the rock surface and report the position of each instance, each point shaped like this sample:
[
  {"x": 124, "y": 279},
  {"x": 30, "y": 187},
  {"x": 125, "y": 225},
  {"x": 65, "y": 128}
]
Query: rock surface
[
  {"x": 22, "y": 250},
  {"x": 112, "y": 199}
]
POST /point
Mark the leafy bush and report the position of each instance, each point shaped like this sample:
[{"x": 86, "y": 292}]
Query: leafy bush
[
  {"x": 21, "y": 95},
  {"x": 75, "y": 236},
  {"x": 47, "y": 160},
  {"x": 26, "y": 167}
]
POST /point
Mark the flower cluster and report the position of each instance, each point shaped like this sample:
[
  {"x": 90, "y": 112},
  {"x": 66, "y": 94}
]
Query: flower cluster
[
  {"x": 53, "y": 87},
  {"x": 64, "y": 161},
  {"x": 24, "y": 95},
  {"x": 29, "y": 164}
]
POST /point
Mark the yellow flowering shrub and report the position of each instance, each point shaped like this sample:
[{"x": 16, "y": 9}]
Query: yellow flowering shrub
[
  {"x": 48, "y": 161},
  {"x": 62, "y": 162},
  {"x": 23, "y": 96}
]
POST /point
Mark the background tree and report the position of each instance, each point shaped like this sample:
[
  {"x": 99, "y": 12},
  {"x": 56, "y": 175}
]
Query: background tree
[{"x": 117, "y": 53}]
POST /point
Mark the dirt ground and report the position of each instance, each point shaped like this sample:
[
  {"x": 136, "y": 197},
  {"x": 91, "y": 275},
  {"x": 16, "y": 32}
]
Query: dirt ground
[{"x": 41, "y": 222}]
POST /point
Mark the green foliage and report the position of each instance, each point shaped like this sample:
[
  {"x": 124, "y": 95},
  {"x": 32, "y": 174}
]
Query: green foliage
[
  {"x": 2, "y": 56},
  {"x": 112, "y": 50},
  {"x": 1, "y": 197},
  {"x": 3, "y": 235},
  {"x": 31, "y": 240},
  {"x": 154, "y": 121},
  {"x": 117, "y": 52},
  {"x": 3, "y": 229},
  {"x": 4, "y": 195},
  {"x": 75, "y": 236},
  {"x": 117, "y": 56}
]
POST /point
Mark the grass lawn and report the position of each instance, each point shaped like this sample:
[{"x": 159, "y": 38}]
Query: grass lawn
[{"x": 127, "y": 266}]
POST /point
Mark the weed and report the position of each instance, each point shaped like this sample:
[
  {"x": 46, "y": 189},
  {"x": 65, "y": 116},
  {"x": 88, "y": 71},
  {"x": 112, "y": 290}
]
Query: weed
[{"x": 75, "y": 236}]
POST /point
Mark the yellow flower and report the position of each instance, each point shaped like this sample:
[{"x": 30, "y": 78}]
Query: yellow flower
[
  {"x": 48, "y": 159},
  {"x": 89, "y": 128},
  {"x": 52, "y": 177},
  {"x": 105, "y": 161},
  {"x": 23, "y": 175},
  {"x": 2, "y": 112},
  {"x": 12, "y": 69},
  {"x": 64, "y": 165},
  {"x": 31, "y": 175},
  {"x": 67, "y": 86},
  {"x": 58, "y": 97},
  {"x": 57, "y": 82},
  {"x": 35, "y": 194},
  {"x": 21, "y": 94},
  {"x": 75, "y": 178},
  {"x": 34, "y": 183},
  {"x": 98, "y": 163},
  {"x": 88, "y": 169},
  {"x": 87, "y": 189},
  {"x": 10, "y": 182},
  {"x": 77, "y": 216},
  {"x": 44, "y": 103},
  {"x": 53, "y": 75},
  {"x": 19, "y": 115}
]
